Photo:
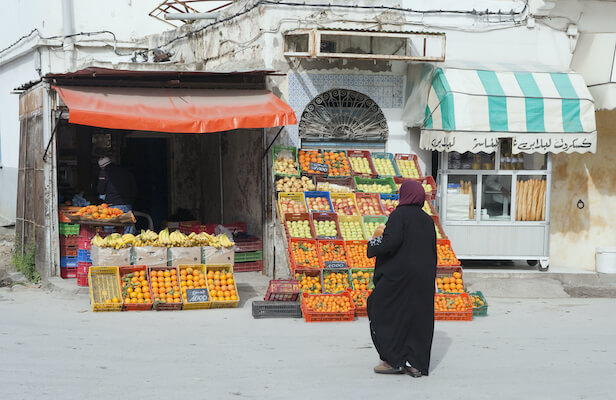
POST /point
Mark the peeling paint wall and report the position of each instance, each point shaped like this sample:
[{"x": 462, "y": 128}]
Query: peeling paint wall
[{"x": 576, "y": 233}]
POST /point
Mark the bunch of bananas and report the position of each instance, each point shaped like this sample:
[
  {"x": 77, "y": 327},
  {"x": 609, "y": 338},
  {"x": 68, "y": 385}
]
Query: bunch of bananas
[
  {"x": 217, "y": 241},
  {"x": 146, "y": 238},
  {"x": 114, "y": 241}
]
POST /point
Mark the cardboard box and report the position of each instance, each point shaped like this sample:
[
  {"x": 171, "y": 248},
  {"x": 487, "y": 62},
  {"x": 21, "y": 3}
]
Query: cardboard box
[
  {"x": 110, "y": 257},
  {"x": 184, "y": 256},
  {"x": 150, "y": 256},
  {"x": 214, "y": 256}
]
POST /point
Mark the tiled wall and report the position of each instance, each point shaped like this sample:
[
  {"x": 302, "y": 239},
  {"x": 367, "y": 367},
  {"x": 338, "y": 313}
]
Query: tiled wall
[{"x": 386, "y": 90}]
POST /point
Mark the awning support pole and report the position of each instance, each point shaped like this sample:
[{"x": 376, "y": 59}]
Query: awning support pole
[
  {"x": 53, "y": 132},
  {"x": 270, "y": 145},
  {"x": 220, "y": 177}
]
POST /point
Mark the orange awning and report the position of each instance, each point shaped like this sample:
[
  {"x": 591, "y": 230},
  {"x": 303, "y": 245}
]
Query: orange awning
[{"x": 174, "y": 110}]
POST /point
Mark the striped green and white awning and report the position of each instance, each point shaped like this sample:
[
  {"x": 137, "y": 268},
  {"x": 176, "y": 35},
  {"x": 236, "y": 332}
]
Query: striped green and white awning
[{"x": 470, "y": 110}]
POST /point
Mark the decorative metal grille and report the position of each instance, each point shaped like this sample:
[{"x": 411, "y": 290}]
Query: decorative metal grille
[{"x": 343, "y": 115}]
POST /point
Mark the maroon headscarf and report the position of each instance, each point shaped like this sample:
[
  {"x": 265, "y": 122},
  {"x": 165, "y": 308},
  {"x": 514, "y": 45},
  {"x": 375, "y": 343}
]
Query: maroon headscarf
[{"x": 412, "y": 193}]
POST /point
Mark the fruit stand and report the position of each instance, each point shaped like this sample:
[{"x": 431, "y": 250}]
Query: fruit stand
[{"x": 325, "y": 232}]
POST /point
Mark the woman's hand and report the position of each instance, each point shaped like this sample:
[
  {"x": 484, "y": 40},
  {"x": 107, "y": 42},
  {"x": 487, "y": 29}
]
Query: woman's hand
[{"x": 378, "y": 231}]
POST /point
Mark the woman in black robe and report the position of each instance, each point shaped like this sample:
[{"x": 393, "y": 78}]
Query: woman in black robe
[{"x": 401, "y": 306}]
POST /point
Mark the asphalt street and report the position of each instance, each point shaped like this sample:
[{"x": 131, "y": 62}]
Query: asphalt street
[{"x": 53, "y": 347}]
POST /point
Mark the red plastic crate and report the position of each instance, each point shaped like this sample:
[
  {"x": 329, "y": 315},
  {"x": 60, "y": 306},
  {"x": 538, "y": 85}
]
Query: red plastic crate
[
  {"x": 164, "y": 306},
  {"x": 464, "y": 315},
  {"x": 68, "y": 273},
  {"x": 248, "y": 266},
  {"x": 294, "y": 266},
  {"x": 246, "y": 246},
  {"x": 85, "y": 243},
  {"x": 437, "y": 223},
  {"x": 82, "y": 280},
  {"x": 69, "y": 251},
  {"x": 361, "y": 311},
  {"x": 186, "y": 227},
  {"x": 430, "y": 181},
  {"x": 443, "y": 271},
  {"x": 326, "y": 216},
  {"x": 66, "y": 241},
  {"x": 364, "y": 244},
  {"x": 83, "y": 267},
  {"x": 127, "y": 269},
  {"x": 282, "y": 290},
  {"x": 362, "y": 154},
  {"x": 315, "y": 316},
  {"x": 413, "y": 157},
  {"x": 446, "y": 243},
  {"x": 324, "y": 242},
  {"x": 294, "y": 217},
  {"x": 237, "y": 227}
]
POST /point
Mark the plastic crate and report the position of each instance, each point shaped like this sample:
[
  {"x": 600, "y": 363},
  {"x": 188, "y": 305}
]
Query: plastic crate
[
  {"x": 196, "y": 305},
  {"x": 385, "y": 156},
  {"x": 224, "y": 303},
  {"x": 67, "y": 229},
  {"x": 186, "y": 227},
  {"x": 248, "y": 256},
  {"x": 350, "y": 197},
  {"x": 84, "y": 256},
  {"x": 328, "y": 243},
  {"x": 83, "y": 267},
  {"x": 250, "y": 245},
  {"x": 104, "y": 283},
  {"x": 295, "y": 196},
  {"x": 330, "y": 164},
  {"x": 311, "y": 195},
  {"x": 302, "y": 273},
  {"x": 389, "y": 182},
  {"x": 282, "y": 290},
  {"x": 361, "y": 311},
  {"x": 66, "y": 241},
  {"x": 327, "y": 272},
  {"x": 464, "y": 315},
  {"x": 85, "y": 243},
  {"x": 68, "y": 273},
  {"x": 370, "y": 219},
  {"x": 388, "y": 197},
  {"x": 355, "y": 219},
  {"x": 363, "y": 270},
  {"x": 316, "y": 316},
  {"x": 276, "y": 309},
  {"x": 439, "y": 227},
  {"x": 481, "y": 311},
  {"x": 252, "y": 266},
  {"x": 325, "y": 216},
  {"x": 447, "y": 271},
  {"x": 89, "y": 231},
  {"x": 363, "y": 245},
  {"x": 410, "y": 157},
  {"x": 127, "y": 269},
  {"x": 64, "y": 211},
  {"x": 294, "y": 217},
  {"x": 431, "y": 211},
  {"x": 301, "y": 264},
  {"x": 287, "y": 151},
  {"x": 161, "y": 306},
  {"x": 361, "y": 154},
  {"x": 428, "y": 181},
  {"x": 68, "y": 261},
  {"x": 305, "y": 166},
  {"x": 69, "y": 251},
  {"x": 343, "y": 183},
  {"x": 82, "y": 279},
  {"x": 295, "y": 189},
  {"x": 373, "y": 199},
  {"x": 440, "y": 262}
]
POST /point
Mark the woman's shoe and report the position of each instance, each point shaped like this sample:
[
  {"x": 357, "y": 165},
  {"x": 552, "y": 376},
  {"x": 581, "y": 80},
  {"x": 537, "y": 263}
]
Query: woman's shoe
[
  {"x": 384, "y": 368},
  {"x": 412, "y": 371}
]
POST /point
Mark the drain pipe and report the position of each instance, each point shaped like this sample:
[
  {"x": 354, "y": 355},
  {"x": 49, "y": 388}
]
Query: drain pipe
[{"x": 68, "y": 29}]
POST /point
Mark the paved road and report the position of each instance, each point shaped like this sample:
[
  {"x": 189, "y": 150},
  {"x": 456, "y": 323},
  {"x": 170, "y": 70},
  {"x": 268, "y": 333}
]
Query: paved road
[{"x": 53, "y": 347}]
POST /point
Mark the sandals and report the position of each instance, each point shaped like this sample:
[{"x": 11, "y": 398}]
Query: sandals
[
  {"x": 412, "y": 371},
  {"x": 384, "y": 368}
]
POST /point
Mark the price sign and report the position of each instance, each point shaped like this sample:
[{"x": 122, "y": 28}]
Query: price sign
[
  {"x": 327, "y": 237},
  {"x": 197, "y": 295},
  {"x": 335, "y": 264},
  {"x": 319, "y": 167}
]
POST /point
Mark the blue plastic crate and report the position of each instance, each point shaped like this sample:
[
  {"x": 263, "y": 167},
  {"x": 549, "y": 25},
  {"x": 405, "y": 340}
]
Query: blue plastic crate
[
  {"x": 84, "y": 256},
  {"x": 68, "y": 261},
  {"x": 319, "y": 194}
]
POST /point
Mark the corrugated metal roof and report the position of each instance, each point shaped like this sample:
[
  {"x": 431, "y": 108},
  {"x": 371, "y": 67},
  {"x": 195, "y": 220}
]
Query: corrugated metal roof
[{"x": 367, "y": 31}]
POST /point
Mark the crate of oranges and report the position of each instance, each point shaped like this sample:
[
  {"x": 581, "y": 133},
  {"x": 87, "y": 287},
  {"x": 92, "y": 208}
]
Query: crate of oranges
[
  {"x": 165, "y": 288},
  {"x": 193, "y": 285},
  {"x": 357, "y": 257},
  {"x": 445, "y": 254},
  {"x": 449, "y": 279},
  {"x": 311, "y": 156},
  {"x": 362, "y": 278},
  {"x": 304, "y": 254},
  {"x": 328, "y": 307},
  {"x": 360, "y": 301},
  {"x": 332, "y": 253},
  {"x": 222, "y": 287},
  {"x": 105, "y": 294},
  {"x": 337, "y": 163},
  {"x": 452, "y": 307},
  {"x": 309, "y": 280},
  {"x": 335, "y": 280},
  {"x": 136, "y": 290}
]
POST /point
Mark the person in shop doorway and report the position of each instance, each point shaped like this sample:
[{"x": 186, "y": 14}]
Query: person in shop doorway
[
  {"x": 401, "y": 306},
  {"x": 116, "y": 186}
]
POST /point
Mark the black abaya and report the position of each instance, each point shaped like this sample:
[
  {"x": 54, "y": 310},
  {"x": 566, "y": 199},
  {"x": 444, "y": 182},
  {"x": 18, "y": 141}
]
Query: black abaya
[{"x": 401, "y": 306}]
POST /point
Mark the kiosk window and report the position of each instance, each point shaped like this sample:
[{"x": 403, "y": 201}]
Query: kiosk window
[
  {"x": 461, "y": 197},
  {"x": 496, "y": 198}
]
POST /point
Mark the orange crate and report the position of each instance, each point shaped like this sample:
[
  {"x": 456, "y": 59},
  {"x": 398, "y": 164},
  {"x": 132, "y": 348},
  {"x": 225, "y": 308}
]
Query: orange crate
[
  {"x": 163, "y": 306},
  {"x": 357, "y": 254},
  {"x": 317, "y": 316},
  {"x": 454, "y": 315},
  {"x": 445, "y": 244},
  {"x": 303, "y": 246},
  {"x": 325, "y": 245},
  {"x": 302, "y": 273},
  {"x": 360, "y": 311},
  {"x": 448, "y": 271},
  {"x": 304, "y": 161},
  {"x": 125, "y": 270}
]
